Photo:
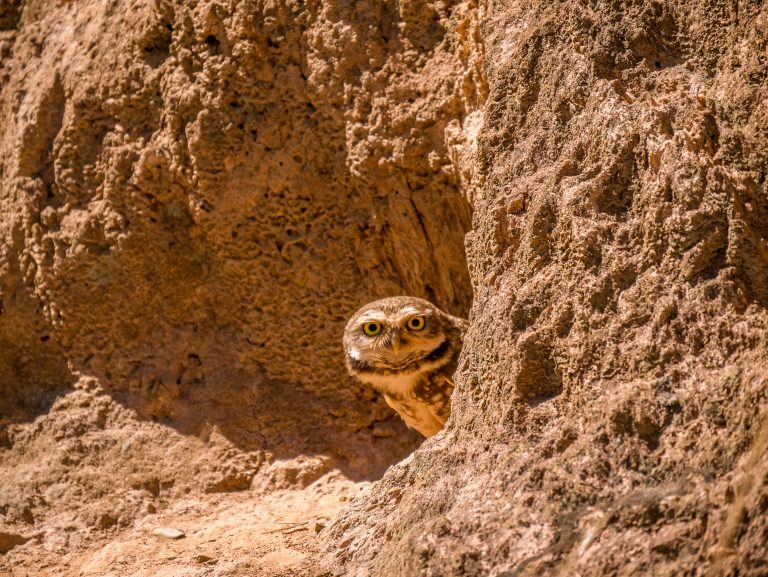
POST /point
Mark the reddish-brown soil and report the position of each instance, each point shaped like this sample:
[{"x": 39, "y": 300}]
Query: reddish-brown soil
[{"x": 195, "y": 196}]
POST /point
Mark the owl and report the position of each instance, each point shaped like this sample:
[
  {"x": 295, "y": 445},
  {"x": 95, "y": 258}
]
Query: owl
[{"x": 406, "y": 348}]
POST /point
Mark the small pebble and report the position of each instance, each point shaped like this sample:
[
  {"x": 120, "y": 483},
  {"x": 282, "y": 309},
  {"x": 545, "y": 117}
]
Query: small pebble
[{"x": 168, "y": 533}]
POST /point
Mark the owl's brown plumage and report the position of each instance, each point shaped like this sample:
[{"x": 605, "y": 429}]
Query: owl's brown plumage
[{"x": 407, "y": 349}]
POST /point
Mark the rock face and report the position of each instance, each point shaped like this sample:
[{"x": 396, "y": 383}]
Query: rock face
[
  {"x": 199, "y": 196},
  {"x": 610, "y": 415},
  {"x": 194, "y": 196}
]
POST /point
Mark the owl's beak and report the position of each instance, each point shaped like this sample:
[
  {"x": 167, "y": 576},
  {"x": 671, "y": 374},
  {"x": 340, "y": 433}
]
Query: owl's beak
[{"x": 397, "y": 343}]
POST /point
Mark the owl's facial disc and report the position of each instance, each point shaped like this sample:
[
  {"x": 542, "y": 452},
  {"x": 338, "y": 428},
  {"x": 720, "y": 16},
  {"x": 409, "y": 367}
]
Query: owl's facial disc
[{"x": 395, "y": 339}]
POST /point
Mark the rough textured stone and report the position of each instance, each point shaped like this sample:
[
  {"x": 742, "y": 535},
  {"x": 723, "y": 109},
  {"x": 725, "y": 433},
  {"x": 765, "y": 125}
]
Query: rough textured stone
[
  {"x": 197, "y": 196},
  {"x": 194, "y": 196},
  {"x": 610, "y": 415}
]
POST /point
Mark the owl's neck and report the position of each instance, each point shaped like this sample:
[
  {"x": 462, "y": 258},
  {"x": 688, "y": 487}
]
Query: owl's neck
[
  {"x": 401, "y": 380},
  {"x": 398, "y": 385}
]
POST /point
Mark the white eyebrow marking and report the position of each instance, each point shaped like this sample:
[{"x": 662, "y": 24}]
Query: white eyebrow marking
[
  {"x": 410, "y": 311},
  {"x": 373, "y": 315},
  {"x": 375, "y": 312}
]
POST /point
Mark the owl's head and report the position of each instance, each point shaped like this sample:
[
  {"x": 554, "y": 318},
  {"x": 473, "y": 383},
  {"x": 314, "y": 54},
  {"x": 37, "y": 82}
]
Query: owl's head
[{"x": 396, "y": 332}]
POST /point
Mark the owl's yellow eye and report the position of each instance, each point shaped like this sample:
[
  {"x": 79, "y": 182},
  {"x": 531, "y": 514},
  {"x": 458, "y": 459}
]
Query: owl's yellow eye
[
  {"x": 416, "y": 323},
  {"x": 371, "y": 328}
]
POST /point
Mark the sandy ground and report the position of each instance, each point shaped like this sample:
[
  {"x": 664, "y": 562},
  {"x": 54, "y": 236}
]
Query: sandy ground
[
  {"x": 229, "y": 534},
  {"x": 87, "y": 484}
]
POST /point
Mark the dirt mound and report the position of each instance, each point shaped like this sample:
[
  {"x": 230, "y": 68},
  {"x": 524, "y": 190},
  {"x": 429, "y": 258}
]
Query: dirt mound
[{"x": 610, "y": 415}]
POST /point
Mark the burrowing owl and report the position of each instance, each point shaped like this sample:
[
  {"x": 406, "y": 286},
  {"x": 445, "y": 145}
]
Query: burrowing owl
[{"x": 407, "y": 349}]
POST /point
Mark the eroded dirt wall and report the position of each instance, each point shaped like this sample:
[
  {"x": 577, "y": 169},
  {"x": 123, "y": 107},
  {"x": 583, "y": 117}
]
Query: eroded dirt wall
[
  {"x": 198, "y": 195},
  {"x": 610, "y": 417},
  {"x": 194, "y": 197}
]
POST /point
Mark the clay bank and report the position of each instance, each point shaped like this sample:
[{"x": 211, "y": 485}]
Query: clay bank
[{"x": 196, "y": 196}]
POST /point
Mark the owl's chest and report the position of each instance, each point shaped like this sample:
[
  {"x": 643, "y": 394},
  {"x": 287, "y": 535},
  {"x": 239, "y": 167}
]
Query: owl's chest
[
  {"x": 423, "y": 387},
  {"x": 426, "y": 406}
]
